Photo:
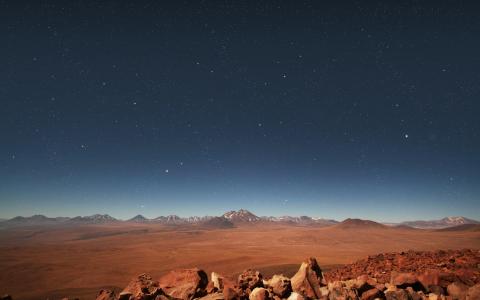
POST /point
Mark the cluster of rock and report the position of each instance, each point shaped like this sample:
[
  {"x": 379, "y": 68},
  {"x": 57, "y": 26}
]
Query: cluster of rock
[
  {"x": 310, "y": 282},
  {"x": 447, "y": 266}
]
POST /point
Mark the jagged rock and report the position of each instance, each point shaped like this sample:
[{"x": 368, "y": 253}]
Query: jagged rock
[
  {"x": 141, "y": 288},
  {"x": 260, "y": 293},
  {"x": 307, "y": 281},
  {"x": 457, "y": 290},
  {"x": 404, "y": 280},
  {"x": 280, "y": 285},
  {"x": 250, "y": 279},
  {"x": 214, "y": 296},
  {"x": 184, "y": 284},
  {"x": 338, "y": 290},
  {"x": 372, "y": 294},
  {"x": 397, "y": 295},
  {"x": 210, "y": 289},
  {"x": 364, "y": 283},
  {"x": 231, "y": 291},
  {"x": 217, "y": 280},
  {"x": 295, "y": 296},
  {"x": 474, "y": 292},
  {"x": 106, "y": 295}
]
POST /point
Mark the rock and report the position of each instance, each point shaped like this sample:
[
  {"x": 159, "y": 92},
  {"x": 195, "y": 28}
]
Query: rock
[
  {"x": 428, "y": 278},
  {"x": 259, "y": 293},
  {"x": 217, "y": 280},
  {"x": 106, "y": 295},
  {"x": 295, "y": 296},
  {"x": 397, "y": 295},
  {"x": 307, "y": 280},
  {"x": 338, "y": 290},
  {"x": 404, "y": 280},
  {"x": 214, "y": 296},
  {"x": 211, "y": 288},
  {"x": 280, "y": 285},
  {"x": 364, "y": 283},
  {"x": 232, "y": 292},
  {"x": 474, "y": 292},
  {"x": 140, "y": 288},
  {"x": 457, "y": 290},
  {"x": 436, "y": 289},
  {"x": 250, "y": 279},
  {"x": 184, "y": 284},
  {"x": 371, "y": 294},
  {"x": 413, "y": 295}
]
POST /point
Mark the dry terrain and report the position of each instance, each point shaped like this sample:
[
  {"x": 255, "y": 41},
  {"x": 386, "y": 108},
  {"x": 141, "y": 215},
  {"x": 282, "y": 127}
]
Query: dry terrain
[{"x": 77, "y": 261}]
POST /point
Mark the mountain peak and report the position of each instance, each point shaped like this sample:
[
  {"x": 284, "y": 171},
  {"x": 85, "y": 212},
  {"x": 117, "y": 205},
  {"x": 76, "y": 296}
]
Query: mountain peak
[
  {"x": 138, "y": 218},
  {"x": 242, "y": 215}
]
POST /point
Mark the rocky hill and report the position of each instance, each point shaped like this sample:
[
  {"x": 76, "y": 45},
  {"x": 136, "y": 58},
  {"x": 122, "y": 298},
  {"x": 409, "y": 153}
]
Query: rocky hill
[{"x": 412, "y": 275}]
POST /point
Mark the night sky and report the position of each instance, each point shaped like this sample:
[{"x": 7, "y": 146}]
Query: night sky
[{"x": 358, "y": 109}]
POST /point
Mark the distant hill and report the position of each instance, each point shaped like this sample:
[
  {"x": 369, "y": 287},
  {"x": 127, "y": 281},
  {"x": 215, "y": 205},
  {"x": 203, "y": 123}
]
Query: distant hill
[
  {"x": 463, "y": 227},
  {"x": 359, "y": 224},
  {"x": 138, "y": 219},
  {"x": 439, "y": 224}
]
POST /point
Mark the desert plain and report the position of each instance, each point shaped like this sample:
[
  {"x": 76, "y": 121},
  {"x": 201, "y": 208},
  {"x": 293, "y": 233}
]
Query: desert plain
[{"x": 52, "y": 262}]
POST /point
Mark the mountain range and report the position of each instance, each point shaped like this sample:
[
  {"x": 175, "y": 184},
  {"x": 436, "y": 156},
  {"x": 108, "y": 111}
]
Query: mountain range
[{"x": 230, "y": 218}]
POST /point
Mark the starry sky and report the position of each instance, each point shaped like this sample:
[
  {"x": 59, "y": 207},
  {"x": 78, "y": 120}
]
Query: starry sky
[{"x": 354, "y": 109}]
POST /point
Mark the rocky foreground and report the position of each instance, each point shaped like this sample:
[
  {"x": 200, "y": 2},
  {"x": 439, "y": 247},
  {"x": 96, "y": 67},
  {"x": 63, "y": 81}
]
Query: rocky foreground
[{"x": 412, "y": 275}]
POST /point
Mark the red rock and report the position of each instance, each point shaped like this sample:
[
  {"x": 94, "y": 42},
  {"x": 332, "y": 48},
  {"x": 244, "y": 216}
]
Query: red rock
[
  {"x": 397, "y": 295},
  {"x": 371, "y": 294},
  {"x": 295, "y": 296},
  {"x": 474, "y": 292},
  {"x": 140, "y": 288},
  {"x": 106, "y": 295},
  {"x": 214, "y": 296},
  {"x": 457, "y": 290},
  {"x": 429, "y": 277},
  {"x": 250, "y": 279},
  {"x": 404, "y": 280},
  {"x": 231, "y": 291},
  {"x": 307, "y": 281},
  {"x": 184, "y": 284},
  {"x": 280, "y": 285}
]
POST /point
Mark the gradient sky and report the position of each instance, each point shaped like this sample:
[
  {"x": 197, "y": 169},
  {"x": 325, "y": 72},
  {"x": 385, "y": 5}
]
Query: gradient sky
[{"x": 336, "y": 111}]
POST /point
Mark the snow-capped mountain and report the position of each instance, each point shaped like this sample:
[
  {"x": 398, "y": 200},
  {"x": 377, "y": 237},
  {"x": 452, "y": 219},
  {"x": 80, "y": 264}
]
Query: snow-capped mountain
[
  {"x": 241, "y": 215},
  {"x": 442, "y": 223},
  {"x": 93, "y": 219}
]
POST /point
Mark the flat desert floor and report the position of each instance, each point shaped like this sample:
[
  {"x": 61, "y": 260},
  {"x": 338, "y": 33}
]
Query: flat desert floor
[{"x": 54, "y": 262}]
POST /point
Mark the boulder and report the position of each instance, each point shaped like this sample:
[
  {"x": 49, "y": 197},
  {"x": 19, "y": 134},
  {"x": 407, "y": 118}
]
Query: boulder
[
  {"x": 106, "y": 295},
  {"x": 457, "y": 290},
  {"x": 184, "y": 284},
  {"x": 372, "y": 294},
  {"x": 397, "y": 295},
  {"x": 217, "y": 280},
  {"x": 280, "y": 285},
  {"x": 338, "y": 290},
  {"x": 474, "y": 292},
  {"x": 295, "y": 296},
  {"x": 232, "y": 292},
  {"x": 429, "y": 278},
  {"x": 307, "y": 281},
  {"x": 250, "y": 279},
  {"x": 404, "y": 280},
  {"x": 214, "y": 296},
  {"x": 141, "y": 288},
  {"x": 259, "y": 293},
  {"x": 364, "y": 283}
]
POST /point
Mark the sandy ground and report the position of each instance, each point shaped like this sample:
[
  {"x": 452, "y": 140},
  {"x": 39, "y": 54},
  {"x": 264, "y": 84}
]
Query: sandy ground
[{"x": 40, "y": 263}]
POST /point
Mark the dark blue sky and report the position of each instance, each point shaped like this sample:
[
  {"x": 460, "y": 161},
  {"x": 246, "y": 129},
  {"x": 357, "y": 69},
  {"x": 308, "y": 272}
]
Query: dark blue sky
[{"x": 346, "y": 110}]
